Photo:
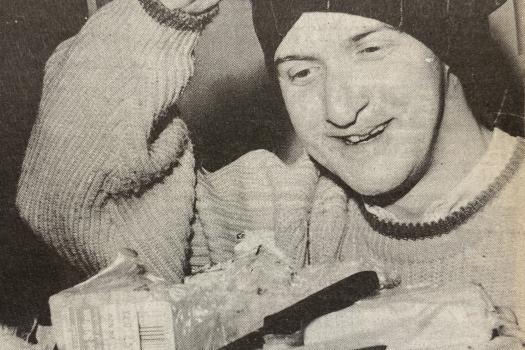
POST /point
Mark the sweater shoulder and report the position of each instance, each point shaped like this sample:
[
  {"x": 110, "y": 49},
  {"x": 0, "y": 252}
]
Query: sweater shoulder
[
  {"x": 508, "y": 207},
  {"x": 511, "y": 200}
]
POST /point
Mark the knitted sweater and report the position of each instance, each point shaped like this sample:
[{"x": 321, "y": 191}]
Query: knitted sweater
[
  {"x": 316, "y": 221},
  {"x": 104, "y": 168},
  {"x": 99, "y": 175}
]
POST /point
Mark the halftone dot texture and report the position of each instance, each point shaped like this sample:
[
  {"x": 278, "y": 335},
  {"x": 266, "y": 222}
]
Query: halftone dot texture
[
  {"x": 457, "y": 31},
  {"x": 105, "y": 168}
]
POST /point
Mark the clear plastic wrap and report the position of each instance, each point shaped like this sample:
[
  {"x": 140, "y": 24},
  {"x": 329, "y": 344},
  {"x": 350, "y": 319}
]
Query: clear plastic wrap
[{"x": 124, "y": 307}]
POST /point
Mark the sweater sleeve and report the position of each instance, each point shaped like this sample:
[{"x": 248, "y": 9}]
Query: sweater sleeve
[
  {"x": 105, "y": 167},
  {"x": 256, "y": 192}
]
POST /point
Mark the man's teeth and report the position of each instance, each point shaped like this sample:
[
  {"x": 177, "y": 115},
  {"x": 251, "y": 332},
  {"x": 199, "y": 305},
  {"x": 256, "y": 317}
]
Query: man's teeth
[{"x": 354, "y": 139}]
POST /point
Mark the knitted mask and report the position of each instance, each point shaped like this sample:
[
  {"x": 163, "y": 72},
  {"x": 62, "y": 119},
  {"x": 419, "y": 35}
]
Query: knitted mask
[{"x": 456, "y": 31}]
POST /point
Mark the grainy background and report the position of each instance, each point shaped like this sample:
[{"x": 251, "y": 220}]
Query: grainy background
[
  {"x": 226, "y": 106},
  {"x": 29, "y": 32}
]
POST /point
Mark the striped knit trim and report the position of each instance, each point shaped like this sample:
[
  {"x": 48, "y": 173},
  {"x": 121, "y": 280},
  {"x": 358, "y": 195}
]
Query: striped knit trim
[
  {"x": 422, "y": 230},
  {"x": 177, "y": 18}
]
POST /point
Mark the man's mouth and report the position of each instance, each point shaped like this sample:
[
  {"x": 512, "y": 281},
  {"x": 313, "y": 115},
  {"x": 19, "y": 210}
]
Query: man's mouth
[{"x": 354, "y": 139}]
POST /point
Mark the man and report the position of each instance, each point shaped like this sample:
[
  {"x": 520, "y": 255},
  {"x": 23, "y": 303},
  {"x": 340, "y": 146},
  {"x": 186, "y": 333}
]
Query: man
[
  {"x": 376, "y": 101},
  {"x": 380, "y": 110}
]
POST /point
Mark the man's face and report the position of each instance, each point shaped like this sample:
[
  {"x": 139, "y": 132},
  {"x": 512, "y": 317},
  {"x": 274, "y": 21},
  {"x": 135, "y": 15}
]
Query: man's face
[{"x": 364, "y": 98}]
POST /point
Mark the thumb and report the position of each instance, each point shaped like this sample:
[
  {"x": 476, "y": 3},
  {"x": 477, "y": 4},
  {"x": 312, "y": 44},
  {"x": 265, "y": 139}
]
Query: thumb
[
  {"x": 169, "y": 146},
  {"x": 138, "y": 161}
]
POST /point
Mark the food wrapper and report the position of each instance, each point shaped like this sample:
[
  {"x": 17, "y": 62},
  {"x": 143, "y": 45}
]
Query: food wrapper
[
  {"x": 125, "y": 307},
  {"x": 455, "y": 316}
]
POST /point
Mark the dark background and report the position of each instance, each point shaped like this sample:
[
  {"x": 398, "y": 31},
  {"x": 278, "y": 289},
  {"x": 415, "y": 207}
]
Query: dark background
[{"x": 29, "y": 32}]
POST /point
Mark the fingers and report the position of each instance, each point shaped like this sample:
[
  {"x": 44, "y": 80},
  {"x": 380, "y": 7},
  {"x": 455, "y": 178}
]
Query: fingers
[{"x": 199, "y": 6}]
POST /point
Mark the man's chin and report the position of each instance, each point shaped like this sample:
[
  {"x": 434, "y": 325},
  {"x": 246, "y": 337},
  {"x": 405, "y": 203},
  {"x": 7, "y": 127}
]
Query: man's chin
[
  {"x": 378, "y": 189},
  {"x": 385, "y": 194},
  {"x": 371, "y": 183}
]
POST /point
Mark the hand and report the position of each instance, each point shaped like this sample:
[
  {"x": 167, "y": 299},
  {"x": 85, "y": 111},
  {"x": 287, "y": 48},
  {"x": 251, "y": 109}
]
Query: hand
[{"x": 190, "y": 6}]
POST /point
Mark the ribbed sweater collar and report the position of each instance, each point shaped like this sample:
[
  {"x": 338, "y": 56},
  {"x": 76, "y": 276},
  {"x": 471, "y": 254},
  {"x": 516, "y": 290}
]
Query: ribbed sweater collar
[{"x": 484, "y": 173}]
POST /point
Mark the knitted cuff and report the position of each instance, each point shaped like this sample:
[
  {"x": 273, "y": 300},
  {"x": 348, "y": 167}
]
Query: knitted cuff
[{"x": 177, "y": 18}]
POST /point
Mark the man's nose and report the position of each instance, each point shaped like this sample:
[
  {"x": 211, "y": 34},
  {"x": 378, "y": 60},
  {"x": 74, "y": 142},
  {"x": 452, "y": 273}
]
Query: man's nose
[{"x": 345, "y": 99}]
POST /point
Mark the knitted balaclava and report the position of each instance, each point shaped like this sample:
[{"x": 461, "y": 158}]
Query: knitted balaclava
[{"x": 456, "y": 31}]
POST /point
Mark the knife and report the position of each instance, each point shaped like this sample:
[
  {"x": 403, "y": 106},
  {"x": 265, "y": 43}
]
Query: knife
[{"x": 295, "y": 317}]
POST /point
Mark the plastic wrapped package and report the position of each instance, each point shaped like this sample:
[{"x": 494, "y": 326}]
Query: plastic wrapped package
[
  {"x": 449, "y": 317},
  {"x": 435, "y": 317},
  {"x": 124, "y": 307}
]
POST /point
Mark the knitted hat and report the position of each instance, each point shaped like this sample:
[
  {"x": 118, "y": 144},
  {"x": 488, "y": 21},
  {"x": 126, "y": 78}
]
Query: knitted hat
[{"x": 457, "y": 31}]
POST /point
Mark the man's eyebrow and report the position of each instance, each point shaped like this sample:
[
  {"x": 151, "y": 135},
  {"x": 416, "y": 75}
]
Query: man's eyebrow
[
  {"x": 354, "y": 39},
  {"x": 280, "y": 60},
  {"x": 363, "y": 35}
]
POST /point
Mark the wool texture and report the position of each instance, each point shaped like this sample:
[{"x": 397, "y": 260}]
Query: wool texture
[
  {"x": 93, "y": 179},
  {"x": 316, "y": 221}
]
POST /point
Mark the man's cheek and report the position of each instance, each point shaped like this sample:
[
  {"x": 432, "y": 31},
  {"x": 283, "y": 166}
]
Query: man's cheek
[
  {"x": 307, "y": 127},
  {"x": 324, "y": 152},
  {"x": 309, "y": 141}
]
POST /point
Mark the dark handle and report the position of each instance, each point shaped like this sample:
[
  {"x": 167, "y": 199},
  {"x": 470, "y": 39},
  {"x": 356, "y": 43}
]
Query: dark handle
[{"x": 332, "y": 298}]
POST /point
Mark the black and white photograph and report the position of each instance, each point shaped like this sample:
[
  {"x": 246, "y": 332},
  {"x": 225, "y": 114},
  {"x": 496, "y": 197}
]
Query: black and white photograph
[{"x": 262, "y": 174}]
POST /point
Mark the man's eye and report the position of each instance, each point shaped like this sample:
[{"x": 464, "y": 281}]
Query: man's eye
[
  {"x": 300, "y": 74},
  {"x": 374, "y": 52},
  {"x": 370, "y": 49}
]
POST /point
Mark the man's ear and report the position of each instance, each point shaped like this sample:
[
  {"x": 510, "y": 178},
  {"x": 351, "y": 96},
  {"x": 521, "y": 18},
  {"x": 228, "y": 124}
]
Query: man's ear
[
  {"x": 94, "y": 5},
  {"x": 452, "y": 86},
  {"x": 450, "y": 80},
  {"x": 446, "y": 73},
  {"x": 446, "y": 78}
]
